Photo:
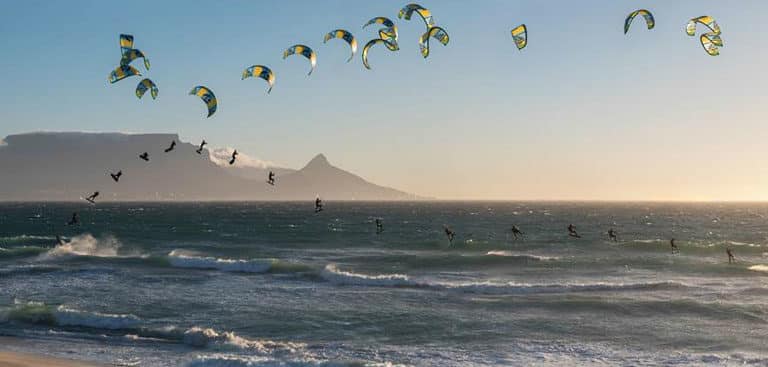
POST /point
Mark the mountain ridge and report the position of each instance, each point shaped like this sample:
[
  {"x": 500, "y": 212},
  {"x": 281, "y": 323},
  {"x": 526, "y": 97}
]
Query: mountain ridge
[{"x": 65, "y": 166}]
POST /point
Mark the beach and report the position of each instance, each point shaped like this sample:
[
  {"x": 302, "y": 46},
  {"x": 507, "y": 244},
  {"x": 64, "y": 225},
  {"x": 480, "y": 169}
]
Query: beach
[
  {"x": 11, "y": 359},
  {"x": 16, "y": 359}
]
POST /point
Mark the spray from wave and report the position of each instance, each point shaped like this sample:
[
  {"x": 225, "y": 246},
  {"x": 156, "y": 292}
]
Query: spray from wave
[{"x": 86, "y": 245}]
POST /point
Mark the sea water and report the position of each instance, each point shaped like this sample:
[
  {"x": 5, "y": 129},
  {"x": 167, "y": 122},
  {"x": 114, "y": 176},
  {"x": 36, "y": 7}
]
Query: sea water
[{"x": 275, "y": 284}]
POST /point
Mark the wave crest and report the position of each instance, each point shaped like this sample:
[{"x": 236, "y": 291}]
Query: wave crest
[
  {"x": 179, "y": 259},
  {"x": 332, "y": 274},
  {"x": 40, "y": 313}
]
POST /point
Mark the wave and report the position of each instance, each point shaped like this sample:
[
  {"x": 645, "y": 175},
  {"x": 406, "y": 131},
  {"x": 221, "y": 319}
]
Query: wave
[
  {"x": 655, "y": 240},
  {"x": 450, "y": 261},
  {"x": 521, "y": 288},
  {"x": 206, "y": 337},
  {"x": 179, "y": 259},
  {"x": 21, "y": 251},
  {"x": 26, "y": 237},
  {"x": 332, "y": 274},
  {"x": 760, "y": 268},
  {"x": 135, "y": 329},
  {"x": 511, "y": 254},
  {"x": 65, "y": 316},
  {"x": 40, "y": 313},
  {"x": 222, "y": 360}
]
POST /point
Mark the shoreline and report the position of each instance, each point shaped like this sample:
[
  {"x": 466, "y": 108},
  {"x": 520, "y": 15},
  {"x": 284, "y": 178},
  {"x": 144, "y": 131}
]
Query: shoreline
[
  {"x": 19, "y": 359},
  {"x": 10, "y": 358}
]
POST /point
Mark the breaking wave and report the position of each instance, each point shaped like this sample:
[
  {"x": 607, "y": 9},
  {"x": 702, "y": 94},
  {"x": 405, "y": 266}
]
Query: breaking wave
[
  {"x": 135, "y": 329},
  {"x": 87, "y": 245},
  {"x": 39, "y": 313}
]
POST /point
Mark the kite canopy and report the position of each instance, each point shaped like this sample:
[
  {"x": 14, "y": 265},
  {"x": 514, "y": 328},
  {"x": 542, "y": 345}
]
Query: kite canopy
[
  {"x": 368, "y": 46},
  {"x": 649, "y": 21},
  {"x": 122, "y": 72},
  {"x": 126, "y": 43},
  {"x": 711, "y": 42},
  {"x": 408, "y": 10},
  {"x": 304, "y": 51},
  {"x": 134, "y": 54},
  {"x": 435, "y": 32},
  {"x": 208, "y": 98},
  {"x": 260, "y": 71},
  {"x": 520, "y": 36},
  {"x": 706, "y": 20},
  {"x": 388, "y": 33},
  {"x": 144, "y": 85},
  {"x": 346, "y": 36}
]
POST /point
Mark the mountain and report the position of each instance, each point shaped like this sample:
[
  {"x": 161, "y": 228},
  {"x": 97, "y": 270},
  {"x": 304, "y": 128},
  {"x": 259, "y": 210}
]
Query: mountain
[
  {"x": 69, "y": 165},
  {"x": 319, "y": 177}
]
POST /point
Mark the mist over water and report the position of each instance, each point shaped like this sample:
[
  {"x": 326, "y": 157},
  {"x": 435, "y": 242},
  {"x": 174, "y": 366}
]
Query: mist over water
[{"x": 262, "y": 284}]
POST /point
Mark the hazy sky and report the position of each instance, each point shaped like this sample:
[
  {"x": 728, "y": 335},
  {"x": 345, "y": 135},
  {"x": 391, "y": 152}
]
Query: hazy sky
[{"x": 584, "y": 112}]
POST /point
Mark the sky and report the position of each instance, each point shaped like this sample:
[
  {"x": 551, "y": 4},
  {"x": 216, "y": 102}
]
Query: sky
[{"x": 583, "y": 113}]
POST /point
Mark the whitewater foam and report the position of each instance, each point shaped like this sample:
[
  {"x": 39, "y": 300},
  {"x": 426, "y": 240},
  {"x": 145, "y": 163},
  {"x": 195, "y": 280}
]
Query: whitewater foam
[
  {"x": 206, "y": 337},
  {"x": 179, "y": 259},
  {"x": 760, "y": 268},
  {"x": 86, "y": 245}
]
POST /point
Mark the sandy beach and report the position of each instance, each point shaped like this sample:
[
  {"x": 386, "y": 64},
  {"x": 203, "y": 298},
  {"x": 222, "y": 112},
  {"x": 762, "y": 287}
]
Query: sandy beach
[{"x": 12, "y": 359}]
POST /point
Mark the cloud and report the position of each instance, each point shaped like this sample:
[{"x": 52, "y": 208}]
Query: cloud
[{"x": 221, "y": 157}]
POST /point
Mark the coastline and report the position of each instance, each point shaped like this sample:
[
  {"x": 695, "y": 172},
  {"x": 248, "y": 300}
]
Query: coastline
[
  {"x": 12, "y": 358},
  {"x": 16, "y": 359}
]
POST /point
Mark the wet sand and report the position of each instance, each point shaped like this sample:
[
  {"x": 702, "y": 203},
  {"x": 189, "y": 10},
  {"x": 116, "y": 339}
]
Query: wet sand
[{"x": 13, "y": 359}]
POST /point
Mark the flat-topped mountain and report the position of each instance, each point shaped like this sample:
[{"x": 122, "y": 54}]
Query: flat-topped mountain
[{"x": 69, "y": 165}]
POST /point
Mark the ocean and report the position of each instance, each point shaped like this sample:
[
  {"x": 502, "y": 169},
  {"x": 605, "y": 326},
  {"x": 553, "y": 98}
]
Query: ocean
[{"x": 274, "y": 284}]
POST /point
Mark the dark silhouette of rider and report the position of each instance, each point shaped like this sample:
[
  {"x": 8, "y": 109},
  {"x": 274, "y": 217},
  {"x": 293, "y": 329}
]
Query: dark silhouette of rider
[{"x": 170, "y": 148}]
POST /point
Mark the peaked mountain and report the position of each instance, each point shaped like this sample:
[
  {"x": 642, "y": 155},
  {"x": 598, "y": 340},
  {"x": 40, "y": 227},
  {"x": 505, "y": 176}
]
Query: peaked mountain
[{"x": 70, "y": 165}]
